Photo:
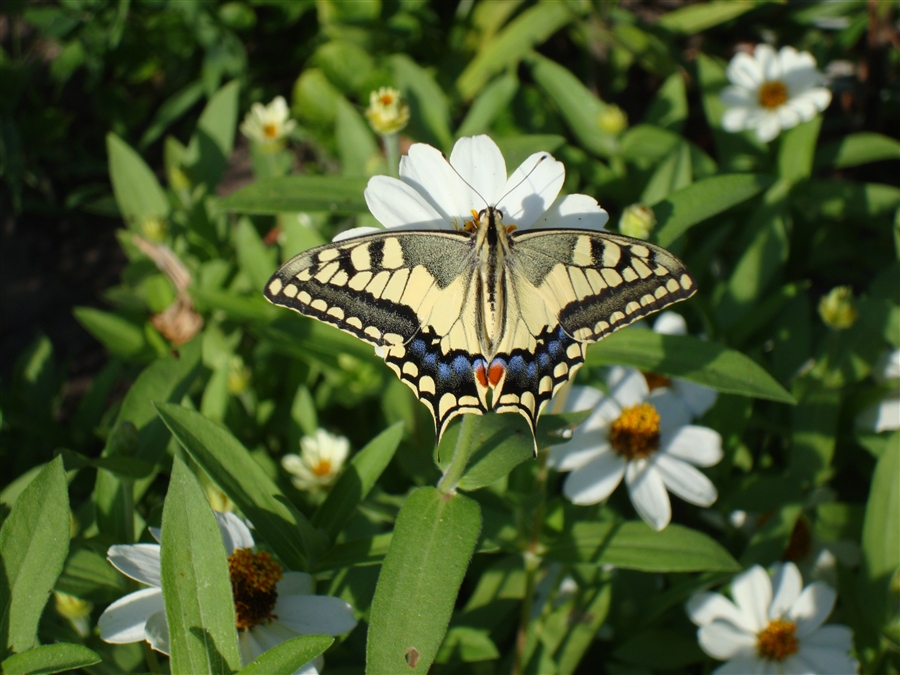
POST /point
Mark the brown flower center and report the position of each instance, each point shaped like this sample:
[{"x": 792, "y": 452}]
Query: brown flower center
[
  {"x": 778, "y": 640},
  {"x": 270, "y": 130},
  {"x": 773, "y": 94},
  {"x": 656, "y": 381},
  {"x": 254, "y": 578},
  {"x": 635, "y": 434},
  {"x": 387, "y": 99},
  {"x": 801, "y": 541}
]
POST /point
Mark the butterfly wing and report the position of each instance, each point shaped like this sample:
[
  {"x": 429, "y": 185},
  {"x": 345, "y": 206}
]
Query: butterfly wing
[
  {"x": 568, "y": 288},
  {"x": 409, "y": 294}
]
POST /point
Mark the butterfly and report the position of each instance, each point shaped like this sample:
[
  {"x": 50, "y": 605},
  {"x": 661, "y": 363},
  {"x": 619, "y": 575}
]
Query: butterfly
[{"x": 484, "y": 317}]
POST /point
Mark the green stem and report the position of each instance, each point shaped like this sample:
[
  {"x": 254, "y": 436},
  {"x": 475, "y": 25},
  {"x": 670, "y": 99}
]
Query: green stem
[
  {"x": 392, "y": 151},
  {"x": 461, "y": 452}
]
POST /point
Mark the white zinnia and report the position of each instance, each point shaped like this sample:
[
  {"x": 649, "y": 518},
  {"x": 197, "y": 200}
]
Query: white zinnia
[
  {"x": 434, "y": 194},
  {"x": 268, "y": 124},
  {"x": 141, "y": 615},
  {"x": 772, "y": 91},
  {"x": 643, "y": 437},
  {"x": 696, "y": 397},
  {"x": 320, "y": 460},
  {"x": 773, "y": 626}
]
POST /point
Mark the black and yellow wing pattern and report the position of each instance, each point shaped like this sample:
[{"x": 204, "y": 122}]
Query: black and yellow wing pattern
[{"x": 484, "y": 317}]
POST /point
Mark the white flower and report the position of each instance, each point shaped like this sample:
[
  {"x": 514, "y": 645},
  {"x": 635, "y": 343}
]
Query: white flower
[
  {"x": 773, "y": 626},
  {"x": 386, "y": 112},
  {"x": 268, "y": 124},
  {"x": 434, "y": 194},
  {"x": 884, "y": 415},
  {"x": 141, "y": 616},
  {"x": 643, "y": 437},
  {"x": 320, "y": 460},
  {"x": 770, "y": 92},
  {"x": 696, "y": 397}
]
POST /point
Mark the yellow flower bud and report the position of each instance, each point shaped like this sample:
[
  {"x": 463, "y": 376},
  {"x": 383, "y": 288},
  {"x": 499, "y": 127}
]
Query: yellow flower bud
[
  {"x": 838, "y": 308},
  {"x": 386, "y": 113}
]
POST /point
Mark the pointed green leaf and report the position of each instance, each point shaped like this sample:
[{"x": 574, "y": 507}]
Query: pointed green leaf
[
  {"x": 212, "y": 142},
  {"x": 797, "y": 149},
  {"x": 693, "y": 19},
  {"x": 434, "y": 539},
  {"x": 54, "y": 658},
  {"x": 232, "y": 468},
  {"x": 196, "y": 583},
  {"x": 356, "y": 143},
  {"x": 138, "y": 193},
  {"x": 289, "y": 656},
  {"x": 355, "y": 553},
  {"x": 288, "y": 194},
  {"x": 357, "y": 480},
  {"x": 429, "y": 109},
  {"x": 856, "y": 149},
  {"x": 516, "y": 149},
  {"x": 669, "y": 108},
  {"x": 684, "y": 356},
  {"x": 255, "y": 259},
  {"x": 34, "y": 541},
  {"x": 119, "y": 335},
  {"x": 491, "y": 102}
]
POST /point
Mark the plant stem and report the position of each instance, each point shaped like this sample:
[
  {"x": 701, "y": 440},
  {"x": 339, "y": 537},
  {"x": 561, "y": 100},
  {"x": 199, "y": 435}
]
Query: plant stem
[
  {"x": 392, "y": 151},
  {"x": 461, "y": 452}
]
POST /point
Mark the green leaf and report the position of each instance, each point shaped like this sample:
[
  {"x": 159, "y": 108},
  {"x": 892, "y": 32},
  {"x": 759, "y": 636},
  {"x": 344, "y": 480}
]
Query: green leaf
[
  {"x": 693, "y": 19},
  {"x": 635, "y": 545},
  {"x": 491, "y": 102},
  {"x": 89, "y": 576},
  {"x": 170, "y": 111},
  {"x": 356, "y": 481},
  {"x": 356, "y": 145},
  {"x": 428, "y": 106},
  {"x": 881, "y": 542},
  {"x": 282, "y": 527},
  {"x": 693, "y": 359},
  {"x": 346, "y": 64},
  {"x": 196, "y": 583},
  {"x": 34, "y": 541},
  {"x": 434, "y": 538},
  {"x": 289, "y": 194},
  {"x": 531, "y": 28},
  {"x": 856, "y": 149},
  {"x": 289, "y": 656},
  {"x": 669, "y": 108},
  {"x": 580, "y": 108},
  {"x": 138, "y": 193},
  {"x": 672, "y": 174},
  {"x": 119, "y": 335},
  {"x": 796, "y": 150},
  {"x": 355, "y": 553},
  {"x": 254, "y": 258},
  {"x": 54, "y": 658},
  {"x": 842, "y": 199},
  {"x": 165, "y": 380},
  {"x": 213, "y": 140},
  {"x": 315, "y": 99},
  {"x": 516, "y": 149},
  {"x": 467, "y": 645},
  {"x": 815, "y": 424},
  {"x": 660, "y": 649},
  {"x": 702, "y": 200}
]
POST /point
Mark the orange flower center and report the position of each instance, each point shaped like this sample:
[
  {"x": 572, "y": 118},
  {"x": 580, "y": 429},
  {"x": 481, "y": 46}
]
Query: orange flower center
[
  {"x": 270, "y": 130},
  {"x": 322, "y": 468},
  {"x": 773, "y": 94},
  {"x": 254, "y": 581},
  {"x": 635, "y": 434},
  {"x": 801, "y": 541},
  {"x": 778, "y": 640},
  {"x": 386, "y": 99},
  {"x": 655, "y": 381}
]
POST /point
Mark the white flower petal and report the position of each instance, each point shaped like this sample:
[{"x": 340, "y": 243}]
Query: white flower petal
[
  {"x": 582, "y": 398},
  {"x": 156, "y": 533},
  {"x": 698, "y": 445},
  {"x": 685, "y": 481},
  {"x": 315, "y": 614},
  {"x": 752, "y": 593},
  {"x": 648, "y": 494},
  {"x": 578, "y": 452},
  {"x": 888, "y": 366},
  {"x": 820, "y": 96},
  {"x": 249, "y": 645},
  {"x": 812, "y": 607},
  {"x": 670, "y": 323},
  {"x": 737, "y": 119},
  {"x": 742, "y": 665},
  {"x": 745, "y": 71},
  {"x": 768, "y": 62},
  {"x": 696, "y": 397},
  {"x": 887, "y": 416},
  {"x": 426, "y": 169},
  {"x": 768, "y": 128},
  {"x": 825, "y": 661},
  {"x": 531, "y": 189},
  {"x": 157, "y": 632},
  {"x": 673, "y": 412},
  {"x": 801, "y": 80},
  {"x": 398, "y": 205},
  {"x": 480, "y": 162},
  {"x": 706, "y": 607},
  {"x": 577, "y": 212},
  {"x": 788, "y": 118},
  {"x": 833, "y": 635},
  {"x": 355, "y": 232},
  {"x": 138, "y": 561},
  {"x": 272, "y": 634},
  {"x": 627, "y": 386},
  {"x": 739, "y": 97},
  {"x": 296, "y": 583},
  {"x": 125, "y": 619},
  {"x": 786, "y": 587},
  {"x": 596, "y": 480},
  {"x": 235, "y": 533},
  {"x": 723, "y": 640}
]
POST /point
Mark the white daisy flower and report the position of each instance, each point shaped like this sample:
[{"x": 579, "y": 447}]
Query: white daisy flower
[
  {"x": 271, "y": 606},
  {"x": 884, "y": 415},
  {"x": 643, "y": 437},
  {"x": 773, "y": 626},
  {"x": 268, "y": 124},
  {"x": 772, "y": 91},
  {"x": 696, "y": 397},
  {"x": 320, "y": 460},
  {"x": 433, "y": 193}
]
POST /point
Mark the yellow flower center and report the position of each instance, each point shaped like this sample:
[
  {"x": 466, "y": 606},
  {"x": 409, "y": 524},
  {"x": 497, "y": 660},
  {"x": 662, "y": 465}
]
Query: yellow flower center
[
  {"x": 386, "y": 99},
  {"x": 322, "y": 468},
  {"x": 778, "y": 640},
  {"x": 773, "y": 94},
  {"x": 254, "y": 578},
  {"x": 656, "y": 381},
  {"x": 801, "y": 541},
  {"x": 270, "y": 130},
  {"x": 635, "y": 434}
]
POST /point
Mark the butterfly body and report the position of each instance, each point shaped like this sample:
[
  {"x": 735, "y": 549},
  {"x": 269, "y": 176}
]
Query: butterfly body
[{"x": 484, "y": 316}]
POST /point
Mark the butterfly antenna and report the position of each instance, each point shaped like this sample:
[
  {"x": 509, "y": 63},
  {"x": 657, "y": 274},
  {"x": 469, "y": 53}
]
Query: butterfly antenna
[
  {"x": 472, "y": 187},
  {"x": 524, "y": 178}
]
